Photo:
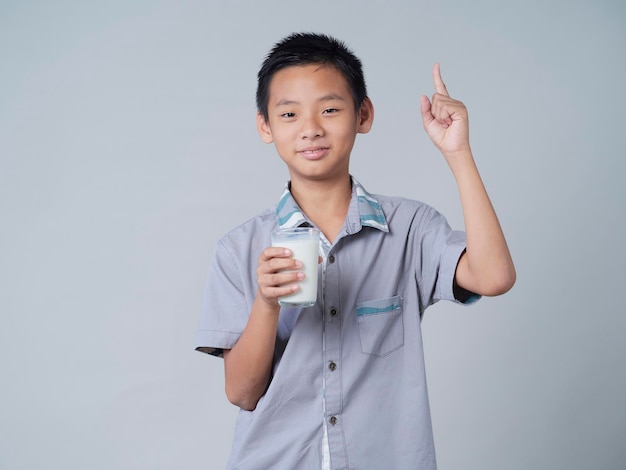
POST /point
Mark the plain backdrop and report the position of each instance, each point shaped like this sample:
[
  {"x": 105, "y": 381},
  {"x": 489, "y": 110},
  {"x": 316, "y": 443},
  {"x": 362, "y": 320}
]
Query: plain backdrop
[{"x": 128, "y": 147}]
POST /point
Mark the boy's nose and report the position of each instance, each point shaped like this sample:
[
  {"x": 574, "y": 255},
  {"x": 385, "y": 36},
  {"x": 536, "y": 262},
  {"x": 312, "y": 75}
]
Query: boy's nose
[{"x": 311, "y": 129}]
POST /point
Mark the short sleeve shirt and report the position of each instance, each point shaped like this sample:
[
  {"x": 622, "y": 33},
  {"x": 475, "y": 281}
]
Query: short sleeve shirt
[{"x": 354, "y": 360}]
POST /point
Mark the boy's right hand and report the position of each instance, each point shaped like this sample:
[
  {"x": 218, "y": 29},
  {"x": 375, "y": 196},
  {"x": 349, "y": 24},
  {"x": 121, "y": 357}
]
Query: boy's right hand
[{"x": 276, "y": 276}]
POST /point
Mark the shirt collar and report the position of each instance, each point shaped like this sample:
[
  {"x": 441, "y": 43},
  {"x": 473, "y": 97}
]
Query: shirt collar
[{"x": 364, "y": 211}]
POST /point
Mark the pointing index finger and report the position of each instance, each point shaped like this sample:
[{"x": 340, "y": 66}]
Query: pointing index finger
[{"x": 440, "y": 87}]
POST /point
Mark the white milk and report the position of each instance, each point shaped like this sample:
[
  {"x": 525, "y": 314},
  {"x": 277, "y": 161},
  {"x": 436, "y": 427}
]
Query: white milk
[{"x": 306, "y": 251}]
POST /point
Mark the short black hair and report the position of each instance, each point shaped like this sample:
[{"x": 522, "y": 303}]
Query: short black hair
[{"x": 299, "y": 49}]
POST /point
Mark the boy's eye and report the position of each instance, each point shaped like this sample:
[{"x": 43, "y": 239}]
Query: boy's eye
[
  {"x": 330, "y": 110},
  {"x": 288, "y": 115}
]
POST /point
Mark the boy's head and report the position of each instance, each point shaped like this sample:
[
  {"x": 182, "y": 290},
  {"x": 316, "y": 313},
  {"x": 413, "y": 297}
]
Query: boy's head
[{"x": 301, "y": 49}]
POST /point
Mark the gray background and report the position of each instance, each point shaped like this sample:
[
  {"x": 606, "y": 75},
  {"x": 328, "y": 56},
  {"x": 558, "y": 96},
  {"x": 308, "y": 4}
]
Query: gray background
[{"x": 128, "y": 146}]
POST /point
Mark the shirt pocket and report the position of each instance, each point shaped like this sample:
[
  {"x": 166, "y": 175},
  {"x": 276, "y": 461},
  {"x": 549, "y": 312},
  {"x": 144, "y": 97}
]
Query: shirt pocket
[{"x": 381, "y": 326}]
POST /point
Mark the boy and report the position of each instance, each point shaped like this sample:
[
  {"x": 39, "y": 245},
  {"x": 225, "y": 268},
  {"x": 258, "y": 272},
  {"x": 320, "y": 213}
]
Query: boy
[{"x": 341, "y": 385}]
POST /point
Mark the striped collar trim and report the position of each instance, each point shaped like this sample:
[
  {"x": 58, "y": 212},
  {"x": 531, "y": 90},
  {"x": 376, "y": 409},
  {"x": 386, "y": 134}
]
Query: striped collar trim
[{"x": 370, "y": 214}]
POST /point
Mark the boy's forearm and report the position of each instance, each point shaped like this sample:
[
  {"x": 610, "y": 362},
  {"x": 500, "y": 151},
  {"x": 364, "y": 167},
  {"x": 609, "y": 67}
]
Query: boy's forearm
[
  {"x": 487, "y": 267},
  {"x": 248, "y": 364}
]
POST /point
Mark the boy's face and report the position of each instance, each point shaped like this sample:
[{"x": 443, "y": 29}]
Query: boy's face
[{"x": 312, "y": 121}]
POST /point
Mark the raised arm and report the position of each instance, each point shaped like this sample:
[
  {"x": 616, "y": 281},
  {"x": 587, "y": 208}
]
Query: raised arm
[
  {"x": 486, "y": 267},
  {"x": 248, "y": 365}
]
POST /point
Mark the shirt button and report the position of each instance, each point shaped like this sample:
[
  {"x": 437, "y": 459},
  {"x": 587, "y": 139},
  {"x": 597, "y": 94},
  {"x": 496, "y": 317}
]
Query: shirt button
[
  {"x": 332, "y": 420},
  {"x": 331, "y": 259},
  {"x": 332, "y": 366},
  {"x": 333, "y": 312}
]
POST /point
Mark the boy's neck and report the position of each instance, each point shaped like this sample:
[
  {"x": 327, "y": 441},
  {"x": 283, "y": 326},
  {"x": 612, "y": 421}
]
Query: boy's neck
[{"x": 326, "y": 203}]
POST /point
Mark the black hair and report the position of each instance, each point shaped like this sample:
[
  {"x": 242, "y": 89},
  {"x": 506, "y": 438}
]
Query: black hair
[{"x": 299, "y": 49}]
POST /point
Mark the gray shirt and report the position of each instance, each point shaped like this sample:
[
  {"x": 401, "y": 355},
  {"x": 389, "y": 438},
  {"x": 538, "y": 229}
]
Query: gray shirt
[{"x": 354, "y": 360}]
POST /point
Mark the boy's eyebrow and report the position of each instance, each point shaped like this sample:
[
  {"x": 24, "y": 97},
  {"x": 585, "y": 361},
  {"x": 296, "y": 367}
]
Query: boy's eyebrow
[
  {"x": 330, "y": 97},
  {"x": 285, "y": 102}
]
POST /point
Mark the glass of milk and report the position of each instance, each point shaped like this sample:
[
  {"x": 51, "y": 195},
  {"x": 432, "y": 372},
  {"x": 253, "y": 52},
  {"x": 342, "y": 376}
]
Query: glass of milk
[{"x": 304, "y": 243}]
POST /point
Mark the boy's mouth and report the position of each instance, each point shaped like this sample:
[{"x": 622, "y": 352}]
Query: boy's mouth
[{"x": 313, "y": 153}]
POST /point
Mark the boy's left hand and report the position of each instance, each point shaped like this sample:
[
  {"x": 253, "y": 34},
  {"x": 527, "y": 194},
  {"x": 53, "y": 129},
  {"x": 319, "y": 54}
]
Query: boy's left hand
[{"x": 445, "y": 119}]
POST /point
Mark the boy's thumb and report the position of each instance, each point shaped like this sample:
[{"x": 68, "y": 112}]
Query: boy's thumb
[{"x": 427, "y": 116}]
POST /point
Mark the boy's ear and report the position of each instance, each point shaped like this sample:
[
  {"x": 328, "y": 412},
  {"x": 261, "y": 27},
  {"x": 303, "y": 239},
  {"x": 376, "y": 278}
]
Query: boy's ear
[
  {"x": 263, "y": 129},
  {"x": 366, "y": 116}
]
